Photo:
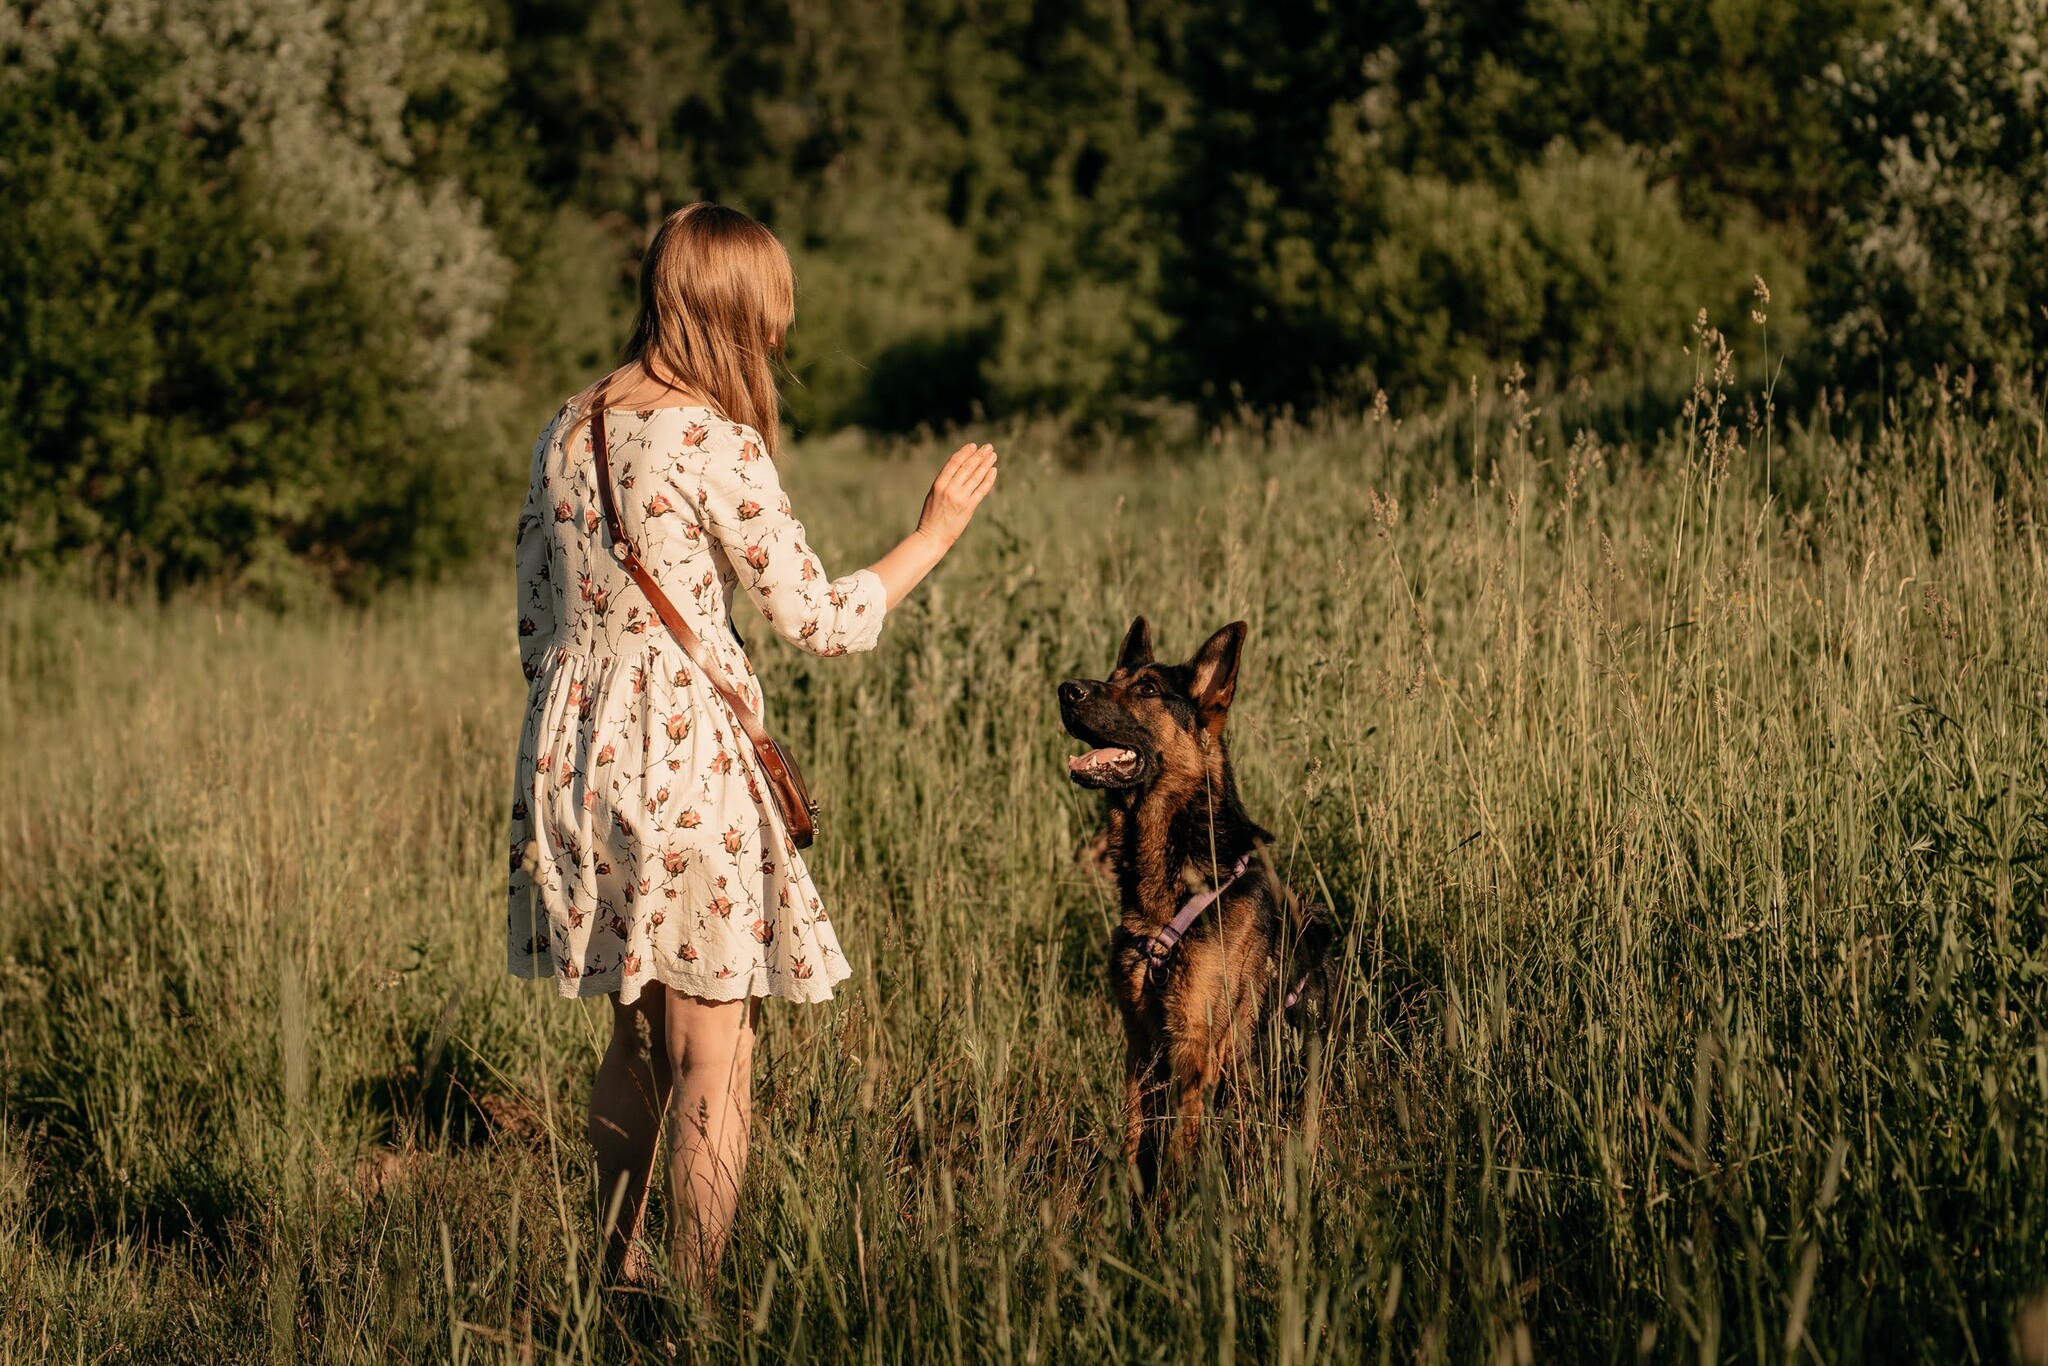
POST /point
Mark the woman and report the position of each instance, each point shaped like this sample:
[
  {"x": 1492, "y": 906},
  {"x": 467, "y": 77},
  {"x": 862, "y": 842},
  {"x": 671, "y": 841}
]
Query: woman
[{"x": 649, "y": 862}]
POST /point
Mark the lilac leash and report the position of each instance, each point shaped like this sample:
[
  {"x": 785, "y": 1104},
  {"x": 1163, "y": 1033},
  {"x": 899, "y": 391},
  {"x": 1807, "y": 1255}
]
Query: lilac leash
[
  {"x": 1295, "y": 995},
  {"x": 1159, "y": 948}
]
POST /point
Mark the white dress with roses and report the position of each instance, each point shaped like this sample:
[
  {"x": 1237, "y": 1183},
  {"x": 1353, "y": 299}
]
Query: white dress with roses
[{"x": 645, "y": 847}]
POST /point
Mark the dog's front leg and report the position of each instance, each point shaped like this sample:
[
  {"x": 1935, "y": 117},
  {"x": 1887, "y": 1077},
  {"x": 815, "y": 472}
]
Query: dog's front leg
[
  {"x": 1142, "y": 1103},
  {"x": 1134, "y": 1107},
  {"x": 1195, "y": 1069}
]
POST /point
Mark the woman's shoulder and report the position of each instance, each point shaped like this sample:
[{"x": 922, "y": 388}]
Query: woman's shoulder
[
  {"x": 717, "y": 438},
  {"x": 569, "y": 420},
  {"x": 694, "y": 423},
  {"x": 582, "y": 405},
  {"x": 556, "y": 424}
]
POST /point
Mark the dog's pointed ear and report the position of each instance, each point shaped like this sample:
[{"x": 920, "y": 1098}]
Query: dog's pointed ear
[
  {"x": 1137, "y": 649},
  {"x": 1215, "y": 668}
]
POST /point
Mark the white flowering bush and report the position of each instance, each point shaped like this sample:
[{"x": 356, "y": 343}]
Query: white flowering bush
[
  {"x": 242, "y": 327},
  {"x": 1939, "y": 257}
]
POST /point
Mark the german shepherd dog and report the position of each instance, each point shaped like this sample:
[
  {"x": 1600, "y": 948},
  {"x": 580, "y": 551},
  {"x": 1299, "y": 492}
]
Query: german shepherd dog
[{"x": 1191, "y": 1015}]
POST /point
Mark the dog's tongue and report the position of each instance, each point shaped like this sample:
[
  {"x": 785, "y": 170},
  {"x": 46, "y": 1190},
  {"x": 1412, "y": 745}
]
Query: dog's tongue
[{"x": 1096, "y": 758}]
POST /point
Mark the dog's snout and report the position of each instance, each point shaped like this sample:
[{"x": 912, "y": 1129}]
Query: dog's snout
[{"x": 1073, "y": 691}]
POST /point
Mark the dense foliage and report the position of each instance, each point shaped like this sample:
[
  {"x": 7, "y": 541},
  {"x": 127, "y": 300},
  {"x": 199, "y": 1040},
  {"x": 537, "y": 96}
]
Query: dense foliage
[
  {"x": 1939, "y": 253},
  {"x": 284, "y": 284},
  {"x": 240, "y": 332}
]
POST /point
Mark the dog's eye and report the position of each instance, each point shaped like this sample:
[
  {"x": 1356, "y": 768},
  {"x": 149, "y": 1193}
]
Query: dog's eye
[{"x": 1146, "y": 688}]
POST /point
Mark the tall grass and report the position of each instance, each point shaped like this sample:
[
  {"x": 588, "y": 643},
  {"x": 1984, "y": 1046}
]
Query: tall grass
[{"x": 1686, "y": 807}]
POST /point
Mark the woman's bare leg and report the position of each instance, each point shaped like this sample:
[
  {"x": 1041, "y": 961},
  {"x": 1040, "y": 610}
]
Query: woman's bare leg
[
  {"x": 711, "y": 1108},
  {"x": 626, "y": 1106}
]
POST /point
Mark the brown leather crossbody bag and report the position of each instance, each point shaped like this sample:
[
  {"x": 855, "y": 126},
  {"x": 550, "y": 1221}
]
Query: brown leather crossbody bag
[{"x": 785, "y": 783}]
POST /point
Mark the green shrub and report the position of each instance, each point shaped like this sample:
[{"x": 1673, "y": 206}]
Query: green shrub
[
  {"x": 1579, "y": 267},
  {"x": 239, "y": 332},
  {"x": 1937, "y": 260}
]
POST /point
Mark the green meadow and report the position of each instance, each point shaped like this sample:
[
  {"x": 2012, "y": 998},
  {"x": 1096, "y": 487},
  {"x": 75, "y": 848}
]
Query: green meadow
[{"x": 1684, "y": 802}]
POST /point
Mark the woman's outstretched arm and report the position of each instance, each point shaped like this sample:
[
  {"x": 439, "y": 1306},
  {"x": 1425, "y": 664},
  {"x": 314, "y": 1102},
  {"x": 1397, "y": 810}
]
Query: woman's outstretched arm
[
  {"x": 747, "y": 514},
  {"x": 968, "y": 476},
  {"x": 745, "y": 509}
]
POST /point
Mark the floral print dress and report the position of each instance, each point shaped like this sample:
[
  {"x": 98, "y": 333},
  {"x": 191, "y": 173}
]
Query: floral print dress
[{"x": 645, "y": 846}]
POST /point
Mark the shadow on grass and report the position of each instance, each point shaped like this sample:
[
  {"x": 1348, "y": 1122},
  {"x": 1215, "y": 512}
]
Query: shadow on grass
[
  {"x": 442, "y": 1095},
  {"x": 127, "y": 1108},
  {"x": 147, "y": 1085}
]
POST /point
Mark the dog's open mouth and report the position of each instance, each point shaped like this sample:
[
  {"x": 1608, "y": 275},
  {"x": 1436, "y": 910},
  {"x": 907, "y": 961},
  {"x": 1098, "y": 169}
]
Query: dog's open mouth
[{"x": 1109, "y": 764}]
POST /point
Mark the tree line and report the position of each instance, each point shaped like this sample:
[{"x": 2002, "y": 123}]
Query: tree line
[{"x": 287, "y": 286}]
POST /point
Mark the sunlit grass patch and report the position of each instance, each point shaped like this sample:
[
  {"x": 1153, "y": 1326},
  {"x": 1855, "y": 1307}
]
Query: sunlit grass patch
[{"x": 1688, "y": 815}]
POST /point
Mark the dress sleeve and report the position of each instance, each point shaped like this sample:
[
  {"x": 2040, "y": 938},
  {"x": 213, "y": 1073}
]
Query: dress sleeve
[
  {"x": 747, "y": 513},
  {"x": 536, "y": 585}
]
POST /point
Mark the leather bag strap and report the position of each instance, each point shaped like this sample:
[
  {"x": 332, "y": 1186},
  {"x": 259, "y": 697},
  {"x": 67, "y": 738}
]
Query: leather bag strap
[{"x": 629, "y": 558}]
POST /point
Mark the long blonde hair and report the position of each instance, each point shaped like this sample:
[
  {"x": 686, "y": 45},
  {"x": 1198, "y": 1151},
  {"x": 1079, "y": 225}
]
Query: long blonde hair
[{"x": 716, "y": 302}]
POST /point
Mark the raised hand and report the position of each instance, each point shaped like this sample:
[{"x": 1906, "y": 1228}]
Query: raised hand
[{"x": 968, "y": 475}]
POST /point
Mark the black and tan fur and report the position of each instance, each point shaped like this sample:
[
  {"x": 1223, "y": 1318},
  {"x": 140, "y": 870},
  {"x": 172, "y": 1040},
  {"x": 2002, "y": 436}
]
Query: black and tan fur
[{"x": 1176, "y": 826}]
